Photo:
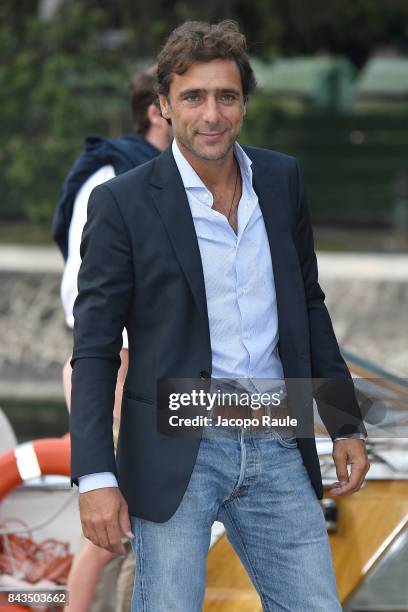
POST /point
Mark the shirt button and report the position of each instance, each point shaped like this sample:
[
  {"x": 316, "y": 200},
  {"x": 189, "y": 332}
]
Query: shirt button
[{"x": 247, "y": 335}]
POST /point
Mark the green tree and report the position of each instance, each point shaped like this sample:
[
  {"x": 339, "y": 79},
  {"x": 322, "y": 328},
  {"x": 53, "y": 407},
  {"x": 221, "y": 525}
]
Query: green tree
[{"x": 58, "y": 81}]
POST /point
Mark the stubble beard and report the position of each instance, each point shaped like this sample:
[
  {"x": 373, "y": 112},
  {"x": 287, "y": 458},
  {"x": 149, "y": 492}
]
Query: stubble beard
[{"x": 204, "y": 153}]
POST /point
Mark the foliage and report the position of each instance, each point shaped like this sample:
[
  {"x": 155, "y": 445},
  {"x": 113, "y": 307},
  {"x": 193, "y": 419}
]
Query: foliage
[
  {"x": 49, "y": 101},
  {"x": 64, "y": 77}
]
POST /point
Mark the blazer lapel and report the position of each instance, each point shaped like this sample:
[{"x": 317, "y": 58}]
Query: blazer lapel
[{"x": 172, "y": 205}]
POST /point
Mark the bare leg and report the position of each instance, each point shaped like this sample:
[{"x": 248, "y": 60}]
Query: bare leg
[
  {"x": 66, "y": 382},
  {"x": 122, "y": 372},
  {"x": 84, "y": 575},
  {"x": 67, "y": 376},
  {"x": 90, "y": 561}
]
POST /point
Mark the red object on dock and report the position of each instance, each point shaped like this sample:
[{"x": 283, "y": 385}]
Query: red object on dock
[{"x": 31, "y": 459}]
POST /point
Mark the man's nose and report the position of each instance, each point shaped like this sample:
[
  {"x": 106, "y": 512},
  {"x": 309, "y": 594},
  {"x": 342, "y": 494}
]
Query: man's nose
[{"x": 211, "y": 112}]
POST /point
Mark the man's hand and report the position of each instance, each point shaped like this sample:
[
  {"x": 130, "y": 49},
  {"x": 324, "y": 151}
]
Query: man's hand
[
  {"x": 105, "y": 518},
  {"x": 349, "y": 452}
]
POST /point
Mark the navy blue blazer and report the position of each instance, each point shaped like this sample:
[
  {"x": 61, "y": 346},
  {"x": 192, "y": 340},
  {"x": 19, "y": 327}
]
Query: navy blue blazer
[{"x": 141, "y": 268}]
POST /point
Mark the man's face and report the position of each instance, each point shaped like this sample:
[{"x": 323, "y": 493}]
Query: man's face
[{"x": 206, "y": 107}]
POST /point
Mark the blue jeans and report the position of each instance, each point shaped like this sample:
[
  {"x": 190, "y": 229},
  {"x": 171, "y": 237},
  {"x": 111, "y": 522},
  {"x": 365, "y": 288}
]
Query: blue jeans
[{"x": 256, "y": 484}]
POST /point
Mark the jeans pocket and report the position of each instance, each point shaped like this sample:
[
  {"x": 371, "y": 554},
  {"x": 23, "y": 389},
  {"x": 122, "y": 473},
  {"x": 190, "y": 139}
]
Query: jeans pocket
[{"x": 286, "y": 438}]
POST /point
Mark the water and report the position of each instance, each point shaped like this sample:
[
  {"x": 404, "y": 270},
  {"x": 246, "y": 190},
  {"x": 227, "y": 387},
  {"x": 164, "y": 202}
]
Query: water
[{"x": 36, "y": 419}]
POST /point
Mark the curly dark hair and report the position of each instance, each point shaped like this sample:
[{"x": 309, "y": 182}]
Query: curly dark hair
[{"x": 200, "y": 41}]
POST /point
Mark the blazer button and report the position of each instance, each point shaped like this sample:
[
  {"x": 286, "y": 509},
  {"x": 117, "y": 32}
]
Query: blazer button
[{"x": 204, "y": 374}]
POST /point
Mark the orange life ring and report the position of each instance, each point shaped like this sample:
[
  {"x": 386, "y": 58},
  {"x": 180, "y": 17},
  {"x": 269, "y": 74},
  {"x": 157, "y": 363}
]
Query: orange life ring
[{"x": 31, "y": 459}]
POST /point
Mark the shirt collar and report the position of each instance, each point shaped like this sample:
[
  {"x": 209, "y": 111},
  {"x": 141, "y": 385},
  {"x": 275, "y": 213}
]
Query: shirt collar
[{"x": 190, "y": 177}]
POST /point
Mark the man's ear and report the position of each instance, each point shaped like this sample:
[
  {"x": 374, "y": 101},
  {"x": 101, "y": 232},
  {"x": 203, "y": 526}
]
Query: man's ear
[
  {"x": 154, "y": 114},
  {"x": 164, "y": 106}
]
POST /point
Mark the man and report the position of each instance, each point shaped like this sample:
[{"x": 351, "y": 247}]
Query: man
[
  {"x": 102, "y": 160},
  {"x": 206, "y": 256}
]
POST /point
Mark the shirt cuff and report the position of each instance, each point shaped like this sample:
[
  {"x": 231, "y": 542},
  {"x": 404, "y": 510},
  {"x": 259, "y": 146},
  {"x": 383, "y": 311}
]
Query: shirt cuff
[
  {"x": 358, "y": 436},
  {"x": 100, "y": 480}
]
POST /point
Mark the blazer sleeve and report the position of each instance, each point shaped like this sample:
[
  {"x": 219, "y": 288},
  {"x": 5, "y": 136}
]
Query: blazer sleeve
[
  {"x": 100, "y": 312},
  {"x": 332, "y": 382}
]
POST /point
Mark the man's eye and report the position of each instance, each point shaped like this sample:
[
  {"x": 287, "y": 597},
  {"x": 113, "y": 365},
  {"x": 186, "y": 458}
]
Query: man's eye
[
  {"x": 227, "y": 97},
  {"x": 192, "y": 97}
]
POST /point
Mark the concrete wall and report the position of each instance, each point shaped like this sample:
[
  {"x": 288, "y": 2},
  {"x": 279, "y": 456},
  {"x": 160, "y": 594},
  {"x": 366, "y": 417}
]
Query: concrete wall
[{"x": 367, "y": 297}]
